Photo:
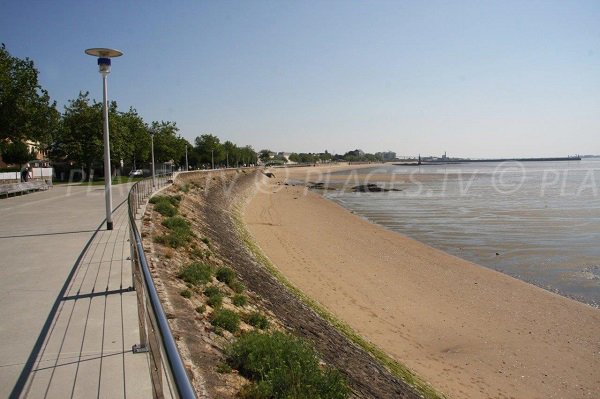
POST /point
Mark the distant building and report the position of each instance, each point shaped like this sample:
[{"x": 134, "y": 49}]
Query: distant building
[{"x": 386, "y": 156}]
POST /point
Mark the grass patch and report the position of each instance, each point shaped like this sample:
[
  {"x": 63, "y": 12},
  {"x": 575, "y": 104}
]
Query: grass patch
[
  {"x": 225, "y": 275},
  {"x": 237, "y": 287},
  {"x": 186, "y": 294},
  {"x": 212, "y": 290},
  {"x": 176, "y": 223},
  {"x": 282, "y": 366},
  {"x": 215, "y": 301},
  {"x": 184, "y": 188},
  {"x": 205, "y": 240},
  {"x": 215, "y": 296},
  {"x": 180, "y": 232},
  {"x": 255, "y": 319},
  {"x": 226, "y": 319},
  {"x": 201, "y": 309},
  {"x": 165, "y": 208},
  {"x": 397, "y": 369},
  {"x": 240, "y": 300},
  {"x": 196, "y": 273},
  {"x": 171, "y": 199}
]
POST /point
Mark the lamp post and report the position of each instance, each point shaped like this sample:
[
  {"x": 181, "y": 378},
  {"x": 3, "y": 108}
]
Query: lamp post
[
  {"x": 153, "y": 173},
  {"x": 104, "y": 55},
  {"x": 187, "y": 168}
]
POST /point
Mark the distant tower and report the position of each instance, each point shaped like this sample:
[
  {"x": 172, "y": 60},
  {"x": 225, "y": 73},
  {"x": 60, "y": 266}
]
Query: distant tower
[{"x": 419, "y": 160}]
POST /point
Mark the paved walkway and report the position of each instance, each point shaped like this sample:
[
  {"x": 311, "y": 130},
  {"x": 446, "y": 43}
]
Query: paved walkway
[{"x": 68, "y": 318}]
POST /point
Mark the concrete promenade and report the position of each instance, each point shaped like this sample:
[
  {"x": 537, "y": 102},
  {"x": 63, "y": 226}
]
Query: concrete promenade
[{"x": 68, "y": 318}]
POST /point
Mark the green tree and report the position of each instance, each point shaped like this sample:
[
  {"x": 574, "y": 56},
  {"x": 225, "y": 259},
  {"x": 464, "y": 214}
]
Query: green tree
[
  {"x": 265, "y": 155},
  {"x": 168, "y": 146},
  {"x": 231, "y": 153},
  {"x": 133, "y": 137},
  {"x": 17, "y": 153},
  {"x": 209, "y": 147},
  {"x": 25, "y": 108},
  {"x": 80, "y": 140},
  {"x": 248, "y": 155}
]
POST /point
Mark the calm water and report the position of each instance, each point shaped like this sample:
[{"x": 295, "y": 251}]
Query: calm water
[{"x": 541, "y": 218}]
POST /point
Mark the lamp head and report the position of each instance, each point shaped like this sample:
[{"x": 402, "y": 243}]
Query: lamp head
[
  {"x": 104, "y": 55},
  {"x": 104, "y": 66}
]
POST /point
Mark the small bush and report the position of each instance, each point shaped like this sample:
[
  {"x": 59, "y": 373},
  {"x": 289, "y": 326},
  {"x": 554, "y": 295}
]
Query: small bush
[
  {"x": 212, "y": 290},
  {"x": 165, "y": 208},
  {"x": 215, "y": 297},
  {"x": 205, "y": 240},
  {"x": 186, "y": 294},
  {"x": 173, "y": 239},
  {"x": 176, "y": 223},
  {"x": 225, "y": 275},
  {"x": 215, "y": 300},
  {"x": 257, "y": 320},
  {"x": 283, "y": 366},
  {"x": 240, "y": 300},
  {"x": 180, "y": 231},
  {"x": 201, "y": 309},
  {"x": 173, "y": 200},
  {"x": 196, "y": 273},
  {"x": 184, "y": 188},
  {"x": 237, "y": 287},
  {"x": 226, "y": 319}
]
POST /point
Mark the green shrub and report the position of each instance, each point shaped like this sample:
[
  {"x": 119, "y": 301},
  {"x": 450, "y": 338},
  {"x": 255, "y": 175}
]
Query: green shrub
[
  {"x": 173, "y": 200},
  {"x": 205, "y": 240},
  {"x": 237, "y": 287},
  {"x": 225, "y": 275},
  {"x": 239, "y": 300},
  {"x": 180, "y": 231},
  {"x": 184, "y": 188},
  {"x": 212, "y": 290},
  {"x": 215, "y": 300},
  {"x": 195, "y": 273},
  {"x": 165, "y": 208},
  {"x": 201, "y": 309},
  {"x": 283, "y": 366},
  {"x": 226, "y": 319},
  {"x": 174, "y": 239},
  {"x": 257, "y": 320},
  {"x": 215, "y": 297},
  {"x": 186, "y": 294},
  {"x": 176, "y": 223}
]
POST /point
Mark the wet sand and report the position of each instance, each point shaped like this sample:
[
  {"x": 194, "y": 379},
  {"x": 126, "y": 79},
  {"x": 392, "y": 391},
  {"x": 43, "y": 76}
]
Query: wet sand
[{"x": 470, "y": 331}]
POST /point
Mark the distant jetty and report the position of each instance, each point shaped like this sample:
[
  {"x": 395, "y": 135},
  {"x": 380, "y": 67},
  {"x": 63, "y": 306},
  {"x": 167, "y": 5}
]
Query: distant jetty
[{"x": 466, "y": 160}]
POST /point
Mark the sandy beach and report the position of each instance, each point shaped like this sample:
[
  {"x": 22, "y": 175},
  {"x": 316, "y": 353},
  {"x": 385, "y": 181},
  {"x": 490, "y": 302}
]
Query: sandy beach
[{"x": 468, "y": 330}]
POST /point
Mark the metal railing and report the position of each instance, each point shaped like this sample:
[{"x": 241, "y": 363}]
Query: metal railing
[{"x": 168, "y": 374}]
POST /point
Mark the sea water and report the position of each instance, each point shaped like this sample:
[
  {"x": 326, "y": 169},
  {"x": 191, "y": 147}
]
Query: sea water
[{"x": 537, "y": 221}]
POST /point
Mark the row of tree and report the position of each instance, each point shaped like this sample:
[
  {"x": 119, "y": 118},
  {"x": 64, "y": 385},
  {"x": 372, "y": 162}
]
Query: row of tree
[
  {"x": 267, "y": 156},
  {"x": 74, "y": 137}
]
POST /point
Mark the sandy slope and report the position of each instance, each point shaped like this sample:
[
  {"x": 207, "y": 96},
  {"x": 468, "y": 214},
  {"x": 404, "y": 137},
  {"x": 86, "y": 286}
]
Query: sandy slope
[{"x": 468, "y": 330}]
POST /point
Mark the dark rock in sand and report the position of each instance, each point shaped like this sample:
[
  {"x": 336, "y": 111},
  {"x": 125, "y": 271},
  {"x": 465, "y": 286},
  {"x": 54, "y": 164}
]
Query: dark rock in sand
[{"x": 372, "y": 188}]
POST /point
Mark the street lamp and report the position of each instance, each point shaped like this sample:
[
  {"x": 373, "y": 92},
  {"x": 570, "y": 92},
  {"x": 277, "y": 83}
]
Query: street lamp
[
  {"x": 104, "y": 55},
  {"x": 153, "y": 174},
  {"x": 187, "y": 167}
]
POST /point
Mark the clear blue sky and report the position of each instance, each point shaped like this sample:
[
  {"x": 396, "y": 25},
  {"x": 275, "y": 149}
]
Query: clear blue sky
[{"x": 473, "y": 78}]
